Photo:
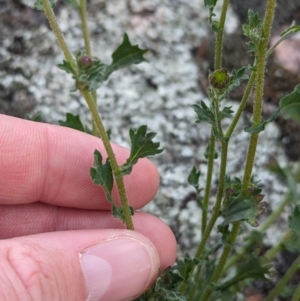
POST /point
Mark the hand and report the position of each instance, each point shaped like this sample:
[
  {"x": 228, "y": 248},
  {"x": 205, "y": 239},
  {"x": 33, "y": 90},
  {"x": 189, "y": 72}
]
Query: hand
[{"x": 59, "y": 241}]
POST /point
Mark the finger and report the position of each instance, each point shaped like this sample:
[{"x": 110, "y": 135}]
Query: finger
[
  {"x": 79, "y": 265},
  {"x": 48, "y": 163},
  {"x": 38, "y": 218}
]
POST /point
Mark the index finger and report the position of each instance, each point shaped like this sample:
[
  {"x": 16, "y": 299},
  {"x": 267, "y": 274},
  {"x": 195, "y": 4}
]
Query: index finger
[{"x": 50, "y": 164}]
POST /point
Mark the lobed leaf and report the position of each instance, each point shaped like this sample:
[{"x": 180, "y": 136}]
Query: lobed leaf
[
  {"x": 142, "y": 146},
  {"x": 102, "y": 174},
  {"x": 253, "y": 267},
  {"x": 193, "y": 178},
  {"x": 291, "y": 99},
  {"x": 38, "y": 4},
  {"x": 66, "y": 66},
  {"x": 246, "y": 206},
  {"x": 204, "y": 113},
  {"x": 125, "y": 55},
  {"x": 294, "y": 221},
  {"x": 74, "y": 122}
]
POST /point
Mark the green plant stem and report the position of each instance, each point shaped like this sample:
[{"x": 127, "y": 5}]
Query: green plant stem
[
  {"x": 86, "y": 34},
  {"x": 210, "y": 168},
  {"x": 281, "y": 39},
  {"x": 296, "y": 296},
  {"x": 271, "y": 253},
  {"x": 257, "y": 109},
  {"x": 87, "y": 45},
  {"x": 95, "y": 115},
  {"x": 58, "y": 34},
  {"x": 270, "y": 220},
  {"x": 219, "y": 36},
  {"x": 222, "y": 261},
  {"x": 193, "y": 288},
  {"x": 119, "y": 180},
  {"x": 216, "y": 210},
  {"x": 275, "y": 214},
  {"x": 217, "y": 207},
  {"x": 283, "y": 281},
  {"x": 217, "y": 65},
  {"x": 241, "y": 106}
]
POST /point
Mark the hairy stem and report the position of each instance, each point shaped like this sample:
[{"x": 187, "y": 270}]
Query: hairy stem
[
  {"x": 296, "y": 296},
  {"x": 257, "y": 109},
  {"x": 210, "y": 167},
  {"x": 277, "y": 248},
  {"x": 284, "y": 280},
  {"x": 87, "y": 46},
  {"x": 58, "y": 34},
  {"x": 241, "y": 106},
  {"x": 113, "y": 161},
  {"x": 219, "y": 36},
  {"x": 95, "y": 115},
  {"x": 85, "y": 30}
]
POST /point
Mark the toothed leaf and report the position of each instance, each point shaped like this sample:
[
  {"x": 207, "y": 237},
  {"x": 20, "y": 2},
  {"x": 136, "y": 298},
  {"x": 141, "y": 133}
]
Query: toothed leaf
[
  {"x": 125, "y": 55},
  {"x": 142, "y": 146}
]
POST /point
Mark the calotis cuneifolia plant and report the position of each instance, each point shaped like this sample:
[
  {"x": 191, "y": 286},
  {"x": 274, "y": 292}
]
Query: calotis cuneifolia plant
[{"x": 215, "y": 272}]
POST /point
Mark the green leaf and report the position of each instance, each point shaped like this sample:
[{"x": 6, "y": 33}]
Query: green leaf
[
  {"x": 246, "y": 206},
  {"x": 210, "y": 2},
  {"x": 204, "y": 113},
  {"x": 118, "y": 212},
  {"x": 74, "y": 3},
  {"x": 238, "y": 76},
  {"x": 193, "y": 178},
  {"x": 254, "y": 267},
  {"x": 294, "y": 221},
  {"x": 94, "y": 76},
  {"x": 37, "y": 117},
  {"x": 253, "y": 30},
  {"x": 66, "y": 66},
  {"x": 254, "y": 20},
  {"x": 141, "y": 146},
  {"x": 38, "y": 4},
  {"x": 255, "y": 129},
  {"x": 92, "y": 72},
  {"x": 186, "y": 265},
  {"x": 206, "y": 154},
  {"x": 165, "y": 287},
  {"x": 102, "y": 174},
  {"x": 289, "y": 100},
  {"x": 125, "y": 55},
  {"x": 226, "y": 112},
  {"x": 292, "y": 29},
  {"x": 74, "y": 122}
]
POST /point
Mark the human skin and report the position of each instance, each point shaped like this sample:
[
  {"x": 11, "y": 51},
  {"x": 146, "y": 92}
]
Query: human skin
[{"x": 58, "y": 238}]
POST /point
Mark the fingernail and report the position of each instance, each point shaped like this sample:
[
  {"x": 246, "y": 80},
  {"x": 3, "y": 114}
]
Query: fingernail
[{"x": 118, "y": 269}]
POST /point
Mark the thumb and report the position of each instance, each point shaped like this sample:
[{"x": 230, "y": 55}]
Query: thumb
[{"x": 93, "y": 265}]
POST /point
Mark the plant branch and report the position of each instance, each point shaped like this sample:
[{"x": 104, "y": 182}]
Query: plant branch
[
  {"x": 85, "y": 30},
  {"x": 219, "y": 36},
  {"x": 210, "y": 167},
  {"x": 58, "y": 34},
  {"x": 284, "y": 280},
  {"x": 119, "y": 180},
  {"x": 296, "y": 296},
  {"x": 257, "y": 108},
  {"x": 241, "y": 106}
]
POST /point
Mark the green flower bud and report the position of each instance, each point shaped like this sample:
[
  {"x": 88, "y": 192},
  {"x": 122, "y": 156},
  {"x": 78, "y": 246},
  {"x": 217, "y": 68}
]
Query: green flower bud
[{"x": 219, "y": 79}]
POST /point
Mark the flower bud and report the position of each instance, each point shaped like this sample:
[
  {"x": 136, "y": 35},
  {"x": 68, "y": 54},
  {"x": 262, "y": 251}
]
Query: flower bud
[
  {"x": 219, "y": 79},
  {"x": 85, "y": 61}
]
